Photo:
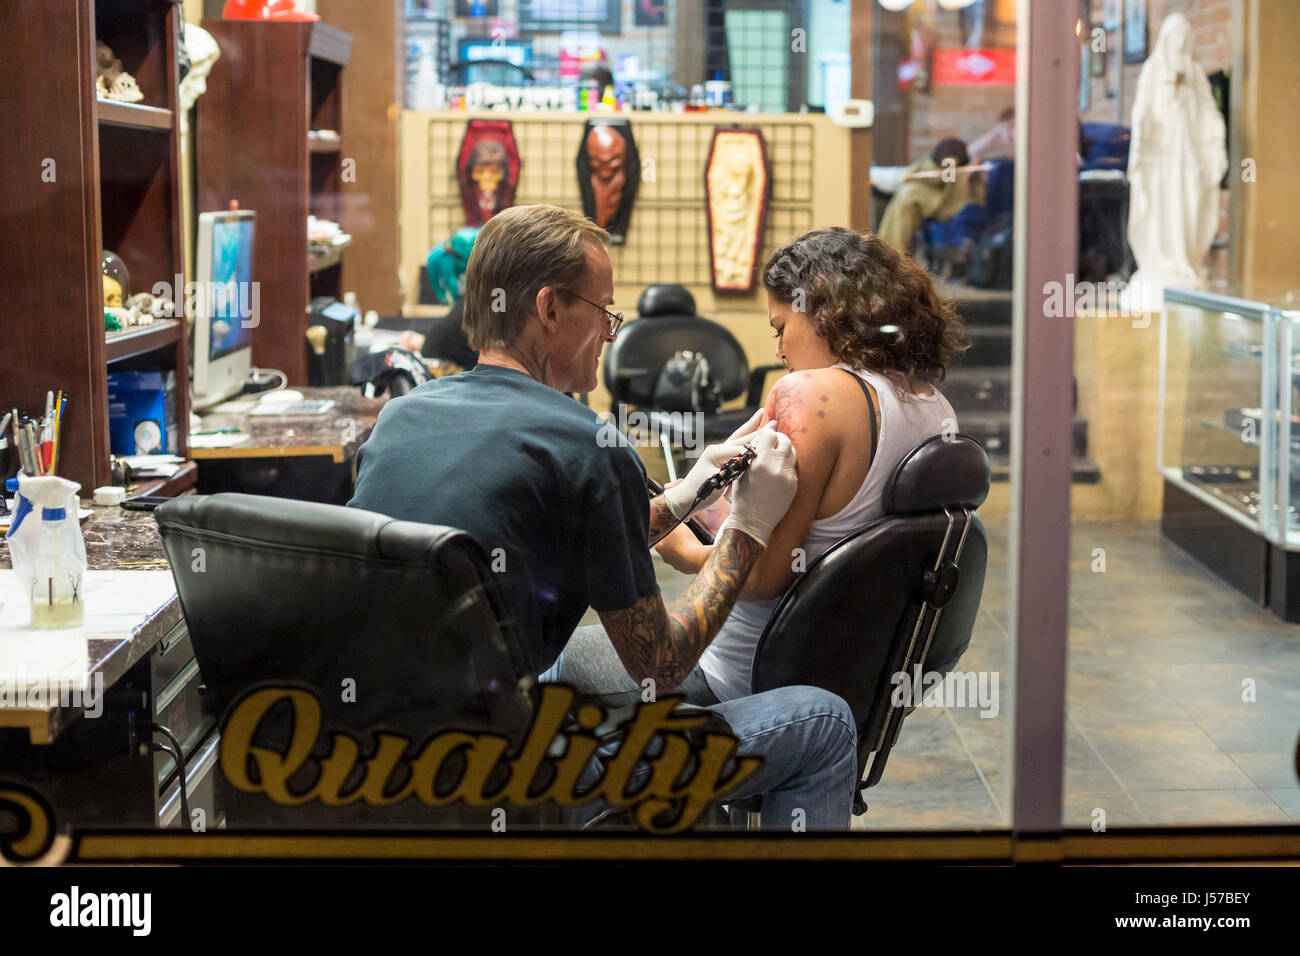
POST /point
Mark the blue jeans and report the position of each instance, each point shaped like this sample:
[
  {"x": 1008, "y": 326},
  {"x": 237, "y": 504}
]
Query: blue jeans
[{"x": 808, "y": 742}]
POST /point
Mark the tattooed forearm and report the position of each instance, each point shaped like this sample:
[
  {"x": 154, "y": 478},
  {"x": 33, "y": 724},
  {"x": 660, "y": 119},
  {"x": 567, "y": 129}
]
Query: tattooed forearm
[
  {"x": 661, "y": 519},
  {"x": 698, "y": 614},
  {"x": 666, "y": 643}
]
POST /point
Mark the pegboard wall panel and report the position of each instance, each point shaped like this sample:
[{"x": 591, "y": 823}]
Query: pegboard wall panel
[{"x": 668, "y": 236}]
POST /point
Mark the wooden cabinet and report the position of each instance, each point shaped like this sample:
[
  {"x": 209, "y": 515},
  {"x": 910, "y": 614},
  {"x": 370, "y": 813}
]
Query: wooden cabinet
[
  {"x": 83, "y": 175},
  {"x": 275, "y": 86}
]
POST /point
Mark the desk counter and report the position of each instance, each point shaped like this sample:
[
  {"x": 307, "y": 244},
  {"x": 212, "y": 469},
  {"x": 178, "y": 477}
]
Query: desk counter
[
  {"x": 117, "y": 541},
  {"x": 338, "y": 433}
]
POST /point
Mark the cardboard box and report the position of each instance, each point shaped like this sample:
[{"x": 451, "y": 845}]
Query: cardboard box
[{"x": 142, "y": 413}]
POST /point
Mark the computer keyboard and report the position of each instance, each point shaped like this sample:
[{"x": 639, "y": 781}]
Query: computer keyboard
[{"x": 307, "y": 407}]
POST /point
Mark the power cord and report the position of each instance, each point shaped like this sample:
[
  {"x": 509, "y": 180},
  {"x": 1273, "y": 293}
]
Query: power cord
[
  {"x": 253, "y": 374},
  {"x": 178, "y": 755}
]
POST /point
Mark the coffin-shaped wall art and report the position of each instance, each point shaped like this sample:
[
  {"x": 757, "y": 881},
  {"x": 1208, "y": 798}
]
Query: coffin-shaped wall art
[
  {"x": 736, "y": 188},
  {"x": 487, "y": 169},
  {"x": 609, "y": 171}
]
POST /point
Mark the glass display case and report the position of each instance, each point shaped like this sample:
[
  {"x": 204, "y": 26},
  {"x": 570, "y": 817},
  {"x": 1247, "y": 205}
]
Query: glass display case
[
  {"x": 1286, "y": 424},
  {"x": 1213, "y": 371},
  {"x": 1229, "y": 437}
]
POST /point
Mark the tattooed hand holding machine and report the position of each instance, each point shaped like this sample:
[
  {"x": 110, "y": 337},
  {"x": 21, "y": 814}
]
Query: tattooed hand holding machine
[
  {"x": 719, "y": 466},
  {"x": 731, "y": 470}
]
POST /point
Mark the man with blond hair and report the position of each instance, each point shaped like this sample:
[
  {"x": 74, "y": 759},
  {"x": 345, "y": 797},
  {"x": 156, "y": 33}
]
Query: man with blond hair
[{"x": 502, "y": 452}]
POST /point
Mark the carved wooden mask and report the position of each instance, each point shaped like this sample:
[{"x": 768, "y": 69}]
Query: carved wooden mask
[{"x": 609, "y": 171}]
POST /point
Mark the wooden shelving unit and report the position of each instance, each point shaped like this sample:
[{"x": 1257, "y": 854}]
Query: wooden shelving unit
[
  {"x": 119, "y": 346},
  {"x": 275, "y": 84},
  {"x": 133, "y": 115},
  {"x": 84, "y": 175}
]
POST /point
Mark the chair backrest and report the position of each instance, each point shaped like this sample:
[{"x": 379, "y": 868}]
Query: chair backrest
[
  {"x": 663, "y": 298},
  {"x": 294, "y": 591},
  {"x": 634, "y": 359},
  {"x": 866, "y": 609}
]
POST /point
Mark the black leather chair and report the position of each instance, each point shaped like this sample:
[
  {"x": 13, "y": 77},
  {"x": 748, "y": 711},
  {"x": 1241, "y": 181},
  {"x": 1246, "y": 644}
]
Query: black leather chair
[
  {"x": 312, "y": 594},
  {"x": 280, "y": 590},
  {"x": 900, "y": 593},
  {"x": 634, "y": 359}
]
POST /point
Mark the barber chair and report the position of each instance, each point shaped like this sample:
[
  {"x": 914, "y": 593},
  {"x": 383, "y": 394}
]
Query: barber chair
[
  {"x": 667, "y": 323},
  {"x": 291, "y": 591},
  {"x": 899, "y": 594},
  {"x": 280, "y": 591}
]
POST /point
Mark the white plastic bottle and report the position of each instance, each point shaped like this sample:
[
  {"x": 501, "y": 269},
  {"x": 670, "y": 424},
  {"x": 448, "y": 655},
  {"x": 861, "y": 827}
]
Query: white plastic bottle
[
  {"x": 48, "y": 551},
  {"x": 427, "y": 88}
]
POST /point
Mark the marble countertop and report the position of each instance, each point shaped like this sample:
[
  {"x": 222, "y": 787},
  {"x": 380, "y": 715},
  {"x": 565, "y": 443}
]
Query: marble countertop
[
  {"x": 118, "y": 542},
  {"x": 339, "y": 432}
]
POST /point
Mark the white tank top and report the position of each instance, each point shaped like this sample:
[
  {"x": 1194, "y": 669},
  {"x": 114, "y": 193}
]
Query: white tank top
[{"x": 728, "y": 661}]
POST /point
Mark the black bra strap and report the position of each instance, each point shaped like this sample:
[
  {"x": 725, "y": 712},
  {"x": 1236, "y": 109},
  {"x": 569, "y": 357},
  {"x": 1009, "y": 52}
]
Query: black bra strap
[{"x": 871, "y": 409}]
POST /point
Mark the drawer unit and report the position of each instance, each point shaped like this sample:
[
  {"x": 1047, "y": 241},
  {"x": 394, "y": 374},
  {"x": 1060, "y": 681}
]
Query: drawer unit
[{"x": 177, "y": 705}]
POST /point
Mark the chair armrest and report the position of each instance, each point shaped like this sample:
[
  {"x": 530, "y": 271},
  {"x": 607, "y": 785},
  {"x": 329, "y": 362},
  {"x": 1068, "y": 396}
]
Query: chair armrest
[{"x": 757, "y": 379}]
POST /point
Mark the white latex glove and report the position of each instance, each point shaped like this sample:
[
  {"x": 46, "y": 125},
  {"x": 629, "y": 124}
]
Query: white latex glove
[
  {"x": 763, "y": 493},
  {"x": 679, "y": 496}
]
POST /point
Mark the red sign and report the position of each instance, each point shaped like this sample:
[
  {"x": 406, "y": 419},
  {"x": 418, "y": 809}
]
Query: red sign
[{"x": 969, "y": 67}]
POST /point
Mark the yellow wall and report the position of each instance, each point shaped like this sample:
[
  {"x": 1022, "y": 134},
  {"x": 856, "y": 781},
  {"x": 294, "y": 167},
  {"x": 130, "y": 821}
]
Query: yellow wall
[
  {"x": 667, "y": 240},
  {"x": 1118, "y": 373},
  {"x": 1269, "y": 138}
]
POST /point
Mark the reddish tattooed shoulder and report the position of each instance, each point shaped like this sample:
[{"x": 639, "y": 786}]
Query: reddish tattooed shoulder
[{"x": 800, "y": 401}]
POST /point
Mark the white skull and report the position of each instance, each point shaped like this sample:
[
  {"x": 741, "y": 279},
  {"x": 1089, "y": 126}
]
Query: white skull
[{"x": 126, "y": 89}]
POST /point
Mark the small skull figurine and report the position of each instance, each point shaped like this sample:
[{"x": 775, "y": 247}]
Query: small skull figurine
[
  {"x": 126, "y": 89},
  {"x": 112, "y": 293},
  {"x": 107, "y": 66},
  {"x": 111, "y": 81}
]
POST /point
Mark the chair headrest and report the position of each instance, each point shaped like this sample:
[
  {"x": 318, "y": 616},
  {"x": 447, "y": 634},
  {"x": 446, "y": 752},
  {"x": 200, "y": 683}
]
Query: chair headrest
[
  {"x": 665, "y": 299},
  {"x": 937, "y": 474},
  {"x": 633, "y": 360}
]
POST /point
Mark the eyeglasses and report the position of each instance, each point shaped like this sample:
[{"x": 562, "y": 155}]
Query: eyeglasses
[{"x": 615, "y": 318}]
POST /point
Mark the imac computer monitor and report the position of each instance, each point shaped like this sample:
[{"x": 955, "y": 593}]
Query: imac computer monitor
[{"x": 225, "y": 306}]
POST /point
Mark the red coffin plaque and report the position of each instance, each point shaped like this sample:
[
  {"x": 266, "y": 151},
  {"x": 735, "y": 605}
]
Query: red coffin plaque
[{"x": 487, "y": 169}]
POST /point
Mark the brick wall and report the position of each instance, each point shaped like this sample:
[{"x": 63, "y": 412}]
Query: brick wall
[
  {"x": 1211, "y": 29},
  {"x": 1212, "y": 33},
  {"x": 965, "y": 112},
  {"x": 969, "y": 111}
]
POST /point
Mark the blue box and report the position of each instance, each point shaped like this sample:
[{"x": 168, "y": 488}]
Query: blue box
[{"x": 142, "y": 413}]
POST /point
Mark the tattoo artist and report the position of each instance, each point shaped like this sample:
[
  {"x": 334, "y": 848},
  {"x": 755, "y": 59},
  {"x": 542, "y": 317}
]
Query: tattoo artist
[{"x": 502, "y": 452}]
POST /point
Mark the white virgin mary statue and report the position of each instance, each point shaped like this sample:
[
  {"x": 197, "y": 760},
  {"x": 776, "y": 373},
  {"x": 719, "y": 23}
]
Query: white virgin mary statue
[{"x": 1175, "y": 162}]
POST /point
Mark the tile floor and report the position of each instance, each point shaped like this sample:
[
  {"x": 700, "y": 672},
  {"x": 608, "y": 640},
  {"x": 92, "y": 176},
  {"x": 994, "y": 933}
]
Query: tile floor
[{"x": 1157, "y": 731}]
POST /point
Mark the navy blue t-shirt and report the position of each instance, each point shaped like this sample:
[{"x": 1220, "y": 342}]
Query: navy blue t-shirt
[{"x": 527, "y": 470}]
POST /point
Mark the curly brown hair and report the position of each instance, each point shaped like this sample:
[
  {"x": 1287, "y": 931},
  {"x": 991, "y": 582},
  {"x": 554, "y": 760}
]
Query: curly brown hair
[{"x": 876, "y": 308}]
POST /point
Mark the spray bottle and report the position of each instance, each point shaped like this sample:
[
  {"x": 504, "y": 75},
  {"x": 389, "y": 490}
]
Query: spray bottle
[{"x": 49, "y": 555}]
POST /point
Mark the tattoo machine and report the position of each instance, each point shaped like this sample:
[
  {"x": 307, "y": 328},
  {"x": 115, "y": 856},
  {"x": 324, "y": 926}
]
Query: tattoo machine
[{"x": 731, "y": 469}]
